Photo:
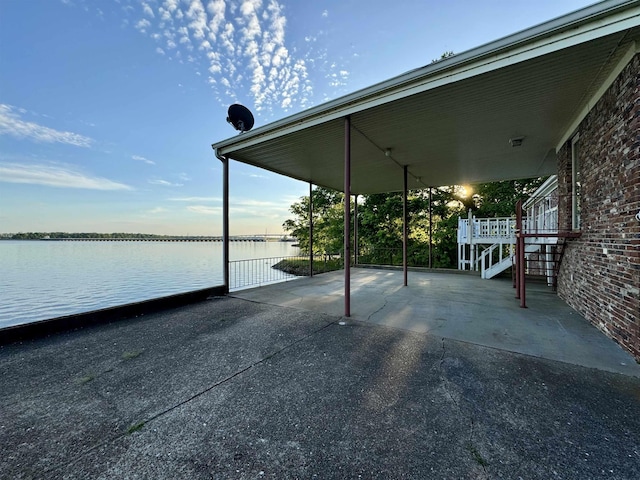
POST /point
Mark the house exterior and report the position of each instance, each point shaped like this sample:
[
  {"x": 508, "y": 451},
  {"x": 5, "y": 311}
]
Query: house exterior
[{"x": 599, "y": 196}]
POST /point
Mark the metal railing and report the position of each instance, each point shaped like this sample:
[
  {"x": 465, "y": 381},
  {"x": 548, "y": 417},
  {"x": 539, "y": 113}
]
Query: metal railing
[
  {"x": 261, "y": 271},
  {"x": 416, "y": 256}
]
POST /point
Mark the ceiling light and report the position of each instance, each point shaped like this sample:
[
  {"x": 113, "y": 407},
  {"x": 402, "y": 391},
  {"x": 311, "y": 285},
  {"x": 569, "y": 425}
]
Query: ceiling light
[{"x": 516, "y": 141}]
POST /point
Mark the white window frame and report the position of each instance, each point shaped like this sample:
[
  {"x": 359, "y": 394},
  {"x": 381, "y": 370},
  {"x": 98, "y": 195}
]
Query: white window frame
[{"x": 576, "y": 183}]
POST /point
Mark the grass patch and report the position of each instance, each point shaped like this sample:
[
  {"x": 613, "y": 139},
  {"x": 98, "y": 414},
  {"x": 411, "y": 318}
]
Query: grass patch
[
  {"x": 477, "y": 457},
  {"x": 135, "y": 428},
  {"x": 300, "y": 266},
  {"x": 130, "y": 355}
]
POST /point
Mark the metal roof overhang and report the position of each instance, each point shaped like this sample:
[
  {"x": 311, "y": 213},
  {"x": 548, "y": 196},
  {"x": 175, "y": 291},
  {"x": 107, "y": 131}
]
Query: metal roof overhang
[{"x": 451, "y": 122}]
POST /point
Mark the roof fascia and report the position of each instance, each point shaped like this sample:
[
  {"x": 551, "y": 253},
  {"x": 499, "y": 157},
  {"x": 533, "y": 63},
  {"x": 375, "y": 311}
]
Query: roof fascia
[{"x": 573, "y": 29}]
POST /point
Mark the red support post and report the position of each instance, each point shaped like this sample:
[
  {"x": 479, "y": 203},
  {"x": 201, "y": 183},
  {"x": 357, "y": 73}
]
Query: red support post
[
  {"x": 310, "y": 229},
  {"x": 516, "y": 279},
  {"x": 225, "y": 222},
  {"x": 347, "y": 215},
  {"x": 520, "y": 257},
  {"x": 405, "y": 227}
]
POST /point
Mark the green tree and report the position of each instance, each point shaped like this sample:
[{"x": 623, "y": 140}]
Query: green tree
[
  {"x": 328, "y": 221},
  {"x": 380, "y": 217},
  {"x": 498, "y": 199}
]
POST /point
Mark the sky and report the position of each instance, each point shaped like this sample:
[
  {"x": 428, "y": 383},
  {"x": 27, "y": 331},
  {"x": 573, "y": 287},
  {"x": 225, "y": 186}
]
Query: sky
[{"x": 108, "y": 108}]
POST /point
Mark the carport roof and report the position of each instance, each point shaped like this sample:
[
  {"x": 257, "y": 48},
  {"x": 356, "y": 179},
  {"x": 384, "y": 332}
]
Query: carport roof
[{"x": 451, "y": 122}]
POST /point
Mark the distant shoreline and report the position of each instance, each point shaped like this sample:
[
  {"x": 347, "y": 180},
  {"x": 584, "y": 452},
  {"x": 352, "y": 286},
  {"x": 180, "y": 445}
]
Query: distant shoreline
[{"x": 138, "y": 237}]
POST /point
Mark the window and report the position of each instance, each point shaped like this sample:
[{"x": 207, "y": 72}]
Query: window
[{"x": 576, "y": 185}]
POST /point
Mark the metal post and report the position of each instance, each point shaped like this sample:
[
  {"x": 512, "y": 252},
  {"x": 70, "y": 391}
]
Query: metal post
[
  {"x": 523, "y": 300},
  {"x": 310, "y": 229},
  {"x": 472, "y": 257},
  {"x": 405, "y": 226},
  {"x": 520, "y": 279},
  {"x": 347, "y": 215},
  {"x": 430, "y": 227},
  {"x": 516, "y": 280},
  {"x": 225, "y": 222}
]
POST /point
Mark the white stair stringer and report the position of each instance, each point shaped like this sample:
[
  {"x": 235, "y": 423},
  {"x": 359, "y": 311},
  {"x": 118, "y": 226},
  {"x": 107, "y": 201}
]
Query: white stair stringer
[{"x": 499, "y": 267}]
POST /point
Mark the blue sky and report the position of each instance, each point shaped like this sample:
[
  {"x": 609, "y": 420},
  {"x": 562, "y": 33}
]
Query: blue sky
[{"x": 108, "y": 108}]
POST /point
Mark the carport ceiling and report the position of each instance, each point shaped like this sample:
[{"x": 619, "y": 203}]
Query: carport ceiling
[{"x": 451, "y": 122}]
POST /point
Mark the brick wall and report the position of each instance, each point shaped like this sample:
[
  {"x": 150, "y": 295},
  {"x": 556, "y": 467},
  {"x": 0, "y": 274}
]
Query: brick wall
[{"x": 600, "y": 271}]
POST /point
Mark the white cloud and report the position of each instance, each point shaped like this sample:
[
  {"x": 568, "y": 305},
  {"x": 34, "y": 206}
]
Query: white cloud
[
  {"x": 164, "y": 183},
  {"x": 157, "y": 210},
  {"x": 12, "y": 124},
  {"x": 55, "y": 176},
  {"x": 195, "y": 199},
  {"x": 216, "y": 8},
  {"x": 143, "y": 159},
  {"x": 325, "y": 13},
  {"x": 241, "y": 43},
  {"x": 205, "y": 210},
  {"x": 198, "y": 18},
  {"x": 147, "y": 9},
  {"x": 143, "y": 24}
]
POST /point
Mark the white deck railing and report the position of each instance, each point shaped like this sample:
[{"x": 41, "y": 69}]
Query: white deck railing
[
  {"x": 486, "y": 230},
  {"x": 545, "y": 220}
]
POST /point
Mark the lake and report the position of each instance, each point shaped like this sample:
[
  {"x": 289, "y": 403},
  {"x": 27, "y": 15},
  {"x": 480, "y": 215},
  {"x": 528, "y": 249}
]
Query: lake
[{"x": 47, "y": 279}]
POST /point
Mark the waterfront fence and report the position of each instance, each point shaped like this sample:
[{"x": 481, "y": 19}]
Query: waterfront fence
[
  {"x": 256, "y": 272},
  {"x": 417, "y": 256}
]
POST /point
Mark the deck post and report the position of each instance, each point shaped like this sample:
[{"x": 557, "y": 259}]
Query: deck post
[
  {"x": 405, "y": 226},
  {"x": 472, "y": 259},
  {"x": 520, "y": 253},
  {"x": 355, "y": 230},
  {"x": 347, "y": 216},
  {"x": 310, "y": 229}
]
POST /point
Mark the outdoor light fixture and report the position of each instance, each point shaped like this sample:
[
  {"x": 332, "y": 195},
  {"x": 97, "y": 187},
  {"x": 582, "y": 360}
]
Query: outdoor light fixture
[
  {"x": 387, "y": 152},
  {"x": 516, "y": 141}
]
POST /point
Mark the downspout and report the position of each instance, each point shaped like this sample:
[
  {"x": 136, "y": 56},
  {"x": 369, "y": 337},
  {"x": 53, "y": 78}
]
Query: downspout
[{"x": 225, "y": 219}]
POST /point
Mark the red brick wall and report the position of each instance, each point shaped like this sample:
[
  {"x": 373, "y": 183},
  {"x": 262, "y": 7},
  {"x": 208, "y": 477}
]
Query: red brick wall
[{"x": 600, "y": 271}]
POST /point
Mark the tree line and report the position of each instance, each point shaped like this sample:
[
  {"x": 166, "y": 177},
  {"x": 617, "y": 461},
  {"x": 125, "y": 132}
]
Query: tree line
[
  {"x": 61, "y": 235},
  {"x": 432, "y": 220}
]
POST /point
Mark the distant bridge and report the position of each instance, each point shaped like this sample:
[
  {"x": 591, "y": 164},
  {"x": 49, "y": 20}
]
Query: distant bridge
[{"x": 270, "y": 237}]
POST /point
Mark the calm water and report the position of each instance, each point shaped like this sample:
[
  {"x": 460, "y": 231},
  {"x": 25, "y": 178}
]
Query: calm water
[{"x": 41, "y": 280}]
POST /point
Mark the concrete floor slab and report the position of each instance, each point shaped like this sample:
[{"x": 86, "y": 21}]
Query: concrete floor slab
[
  {"x": 457, "y": 306},
  {"x": 231, "y": 388}
]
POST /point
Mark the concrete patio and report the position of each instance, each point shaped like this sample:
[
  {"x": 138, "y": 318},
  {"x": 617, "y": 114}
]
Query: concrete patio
[
  {"x": 458, "y": 306},
  {"x": 245, "y": 389}
]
